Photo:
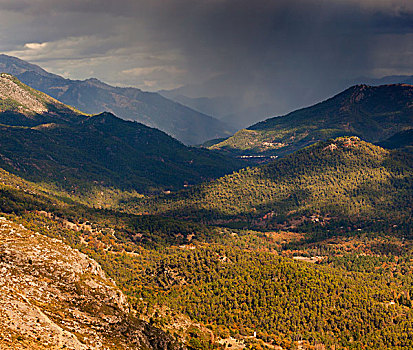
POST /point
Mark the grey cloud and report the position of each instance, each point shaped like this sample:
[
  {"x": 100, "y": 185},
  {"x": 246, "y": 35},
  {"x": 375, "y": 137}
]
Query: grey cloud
[{"x": 262, "y": 51}]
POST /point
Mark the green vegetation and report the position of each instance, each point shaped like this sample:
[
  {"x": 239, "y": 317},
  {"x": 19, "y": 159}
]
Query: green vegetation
[
  {"x": 9, "y": 104},
  {"x": 333, "y": 187},
  {"x": 314, "y": 246},
  {"x": 372, "y": 113},
  {"x": 81, "y": 155},
  {"x": 237, "y": 285},
  {"x": 259, "y": 291}
]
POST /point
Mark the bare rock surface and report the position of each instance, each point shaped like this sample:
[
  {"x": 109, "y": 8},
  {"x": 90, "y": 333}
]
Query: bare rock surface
[
  {"x": 9, "y": 89},
  {"x": 55, "y": 297}
]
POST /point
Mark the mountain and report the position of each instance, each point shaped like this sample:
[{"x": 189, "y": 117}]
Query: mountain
[
  {"x": 244, "y": 102},
  {"x": 45, "y": 141},
  {"x": 94, "y": 96},
  {"x": 373, "y": 113},
  {"x": 54, "y": 297},
  {"x": 333, "y": 186}
]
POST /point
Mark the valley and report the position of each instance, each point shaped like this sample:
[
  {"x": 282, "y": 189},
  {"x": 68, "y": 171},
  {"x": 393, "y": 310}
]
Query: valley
[{"x": 114, "y": 235}]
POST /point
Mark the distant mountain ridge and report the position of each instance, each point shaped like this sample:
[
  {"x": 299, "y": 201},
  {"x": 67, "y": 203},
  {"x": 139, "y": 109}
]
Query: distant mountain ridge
[
  {"x": 229, "y": 106},
  {"x": 373, "y": 113},
  {"x": 45, "y": 141},
  {"x": 93, "y": 96}
]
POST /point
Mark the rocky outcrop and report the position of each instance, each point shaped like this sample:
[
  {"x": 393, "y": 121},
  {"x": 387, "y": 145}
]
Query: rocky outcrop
[
  {"x": 55, "y": 297},
  {"x": 24, "y": 100}
]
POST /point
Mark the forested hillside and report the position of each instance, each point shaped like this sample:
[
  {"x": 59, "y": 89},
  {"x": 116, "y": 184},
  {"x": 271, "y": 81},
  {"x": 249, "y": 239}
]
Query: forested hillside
[
  {"x": 245, "y": 292},
  {"x": 45, "y": 141},
  {"x": 312, "y": 250},
  {"x": 326, "y": 186},
  {"x": 234, "y": 282},
  {"x": 373, "y": 113}
]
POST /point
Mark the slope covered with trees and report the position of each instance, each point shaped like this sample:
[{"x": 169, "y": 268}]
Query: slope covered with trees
[
  {"x": 45, "y": 141},
  {"x": 321, "y": 187},
  {"x": 373, "y": 113},
  {"x": 328, "y": 264},
  {"x": 235, "y": 282},
  {"x": 235, "y": 291},
  {"x": 245, "y": 292}
]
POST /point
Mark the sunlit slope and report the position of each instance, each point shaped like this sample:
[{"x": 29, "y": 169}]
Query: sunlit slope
[
  {"x": 44, "y": 140},
  {"x": 345, "y": 178},
  {"x": 373, "y": 113}
]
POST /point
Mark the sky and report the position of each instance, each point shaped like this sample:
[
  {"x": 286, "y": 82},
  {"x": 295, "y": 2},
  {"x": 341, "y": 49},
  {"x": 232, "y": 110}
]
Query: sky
[{"x": 260, "y": 50}]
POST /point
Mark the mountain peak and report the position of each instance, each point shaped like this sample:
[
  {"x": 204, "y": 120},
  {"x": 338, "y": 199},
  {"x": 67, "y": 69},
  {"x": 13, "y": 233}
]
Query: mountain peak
[
  {"x": 384, "y": 87},
  {"x": 19, "y": 97},
  {"x": 374, "y": 113},
  {"x": 21, "y": 105},
  {"x": 104, "y": 117},
  {"x": 94, "y": 96},
  {"x": 96, "y": 82},
  {"x": 17, "y": 66}
]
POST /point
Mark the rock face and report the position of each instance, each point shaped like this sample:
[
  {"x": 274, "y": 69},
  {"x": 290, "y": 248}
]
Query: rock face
[
  {"x": 10, "y": 89},
  {"x": 20, "y": 105},
  {"x": 54, "y": 297}
]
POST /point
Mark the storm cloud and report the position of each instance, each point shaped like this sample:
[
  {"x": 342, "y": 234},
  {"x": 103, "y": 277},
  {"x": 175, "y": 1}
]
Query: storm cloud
[{"x": 262, "y": 51}]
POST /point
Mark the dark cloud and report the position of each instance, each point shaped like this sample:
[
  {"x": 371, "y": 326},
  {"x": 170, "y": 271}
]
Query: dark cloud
[{"x": 262, "y": 51}]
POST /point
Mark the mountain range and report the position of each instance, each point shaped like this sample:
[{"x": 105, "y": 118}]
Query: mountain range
[
  {"x": 230, "y": 100},
  {"x": 114, "y": 235},
  {"x": 373, "y": 113},
  {"x": 46, "y": 141},
  {"x": 93, "y": 96}
]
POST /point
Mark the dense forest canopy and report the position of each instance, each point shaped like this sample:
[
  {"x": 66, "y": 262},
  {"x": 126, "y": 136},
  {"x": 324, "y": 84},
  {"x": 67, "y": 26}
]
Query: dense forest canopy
[
  {"x": 313, "y": 250},
  {"x": 321, "y": 187}
]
